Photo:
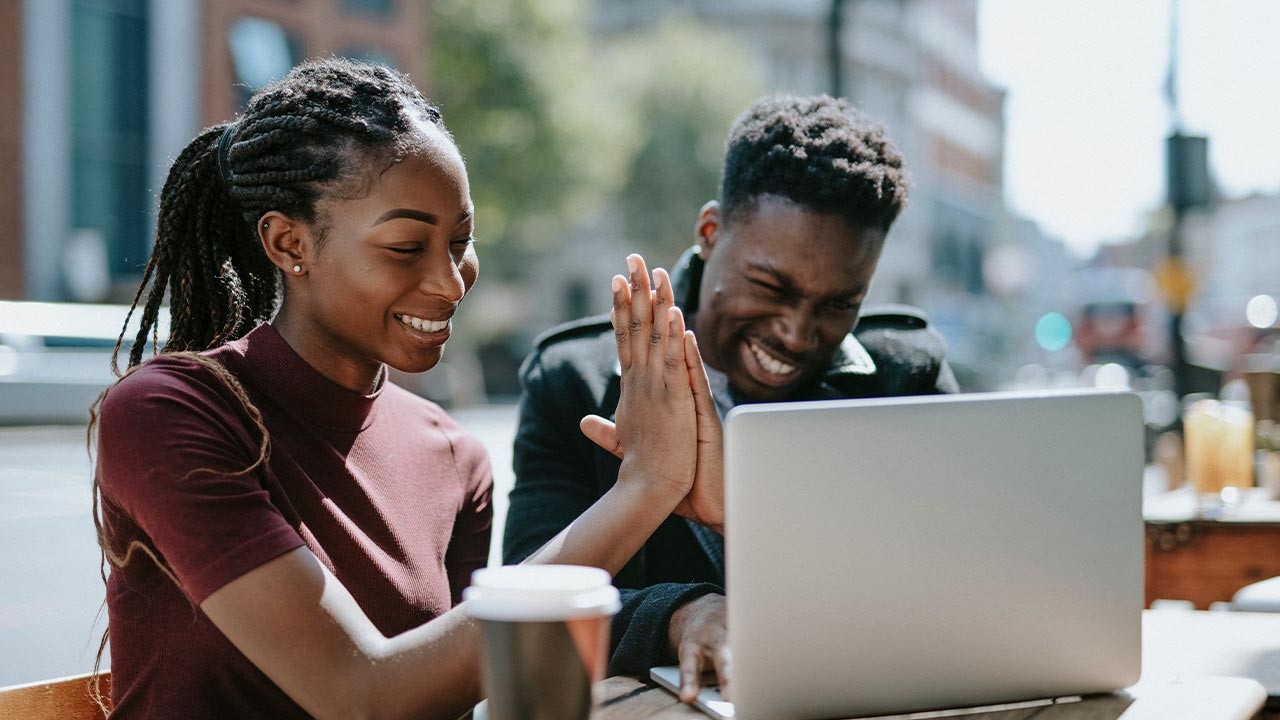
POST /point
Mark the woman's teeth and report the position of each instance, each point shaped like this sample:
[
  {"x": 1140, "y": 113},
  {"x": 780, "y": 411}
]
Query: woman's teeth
[
  {"x": 423, "y": 325},
  {"x": 777, "y": 367}
]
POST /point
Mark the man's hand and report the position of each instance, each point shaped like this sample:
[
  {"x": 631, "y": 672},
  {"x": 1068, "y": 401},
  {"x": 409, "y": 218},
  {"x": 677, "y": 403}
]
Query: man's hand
[
  {"x": 700, "y": 641},
  {"x": 704, "y": 503}
]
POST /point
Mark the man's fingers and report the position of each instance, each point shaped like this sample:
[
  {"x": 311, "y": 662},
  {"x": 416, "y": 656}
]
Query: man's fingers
[
  {"x": 621, "y": 319},
  {"x": 641, "y": 320},
  {"x": 723, "y": 661},
  {"x": 602, "y": 433},
  {"x": 690, "y": 671},
  {"x": 704, "y": 403}
]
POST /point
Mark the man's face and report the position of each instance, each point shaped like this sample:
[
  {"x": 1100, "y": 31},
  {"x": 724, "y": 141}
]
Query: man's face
[{"x": 782, "y": 287}]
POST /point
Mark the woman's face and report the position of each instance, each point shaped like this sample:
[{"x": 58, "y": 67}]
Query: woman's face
[{"x": 395, "y": 262}]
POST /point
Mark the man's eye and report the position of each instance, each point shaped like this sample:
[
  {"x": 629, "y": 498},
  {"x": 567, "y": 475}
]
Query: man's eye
[
  {"x": 841, "y": 305},
  {"x": 405, "y": 250},
  {"x": 463, "y": 242}
]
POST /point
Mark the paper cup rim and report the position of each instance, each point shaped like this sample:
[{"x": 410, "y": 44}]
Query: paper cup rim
[{"x": 541, "y": 593}]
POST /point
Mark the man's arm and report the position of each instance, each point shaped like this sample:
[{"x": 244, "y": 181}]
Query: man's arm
[{"x": 555, "y": 476}]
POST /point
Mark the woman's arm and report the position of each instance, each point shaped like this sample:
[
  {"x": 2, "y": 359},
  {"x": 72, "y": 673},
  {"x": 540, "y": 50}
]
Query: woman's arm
[{"x": 302, "y": 628}]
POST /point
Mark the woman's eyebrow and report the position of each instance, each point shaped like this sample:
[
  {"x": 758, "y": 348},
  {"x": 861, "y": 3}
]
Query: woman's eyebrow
[{"x": 411, "y": 214}]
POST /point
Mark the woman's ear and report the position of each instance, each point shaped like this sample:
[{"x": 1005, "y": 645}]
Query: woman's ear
[
  {"x": 707, "y": 229},
  {"x": 285, "y": 241}
]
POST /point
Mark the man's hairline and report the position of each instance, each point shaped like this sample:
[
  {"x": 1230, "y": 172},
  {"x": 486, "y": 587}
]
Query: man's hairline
[{"x": 748, "y": 205}]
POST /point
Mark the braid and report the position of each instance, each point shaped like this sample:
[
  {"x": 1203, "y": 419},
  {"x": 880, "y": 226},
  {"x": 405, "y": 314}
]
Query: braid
[{"x": 297, "y": 139}]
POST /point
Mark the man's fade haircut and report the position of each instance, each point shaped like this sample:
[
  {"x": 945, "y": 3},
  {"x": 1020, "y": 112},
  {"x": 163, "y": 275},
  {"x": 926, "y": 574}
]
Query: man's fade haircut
[{"x": 818, "y": 152}]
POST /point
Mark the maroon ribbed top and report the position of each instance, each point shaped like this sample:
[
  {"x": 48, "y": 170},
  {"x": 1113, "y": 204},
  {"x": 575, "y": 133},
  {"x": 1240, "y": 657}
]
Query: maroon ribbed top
[{"x": 387, "y": 491}]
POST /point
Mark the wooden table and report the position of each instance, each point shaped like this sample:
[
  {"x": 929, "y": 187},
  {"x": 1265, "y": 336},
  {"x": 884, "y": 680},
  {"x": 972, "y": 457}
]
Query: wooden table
[
  {"x": 1187, "y": 660},
  {"x": 1207, "y": 698},
  {"x": 1208, "y": 560}
]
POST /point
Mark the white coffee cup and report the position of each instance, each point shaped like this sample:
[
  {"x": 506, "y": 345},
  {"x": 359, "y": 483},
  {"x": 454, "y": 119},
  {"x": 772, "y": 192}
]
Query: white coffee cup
[{"x": 546, "y": 638}]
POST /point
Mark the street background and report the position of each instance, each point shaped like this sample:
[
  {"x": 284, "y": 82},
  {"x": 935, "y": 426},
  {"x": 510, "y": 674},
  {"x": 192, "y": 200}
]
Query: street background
[{"x": 1095, "y": 195}]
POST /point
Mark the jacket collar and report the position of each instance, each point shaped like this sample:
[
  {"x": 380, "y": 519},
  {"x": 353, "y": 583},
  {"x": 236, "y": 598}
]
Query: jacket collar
[{"x": 851, "y": 358}]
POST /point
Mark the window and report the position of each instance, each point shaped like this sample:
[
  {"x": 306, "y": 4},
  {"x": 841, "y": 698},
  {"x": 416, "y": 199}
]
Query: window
[
  {"x": 110, "y": 128},
  {"x": 262, "y": 53},
  {"x": 373, "y": 7}
]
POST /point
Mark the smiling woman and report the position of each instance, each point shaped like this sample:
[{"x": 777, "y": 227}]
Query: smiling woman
[{"x": 288, "y": 533}]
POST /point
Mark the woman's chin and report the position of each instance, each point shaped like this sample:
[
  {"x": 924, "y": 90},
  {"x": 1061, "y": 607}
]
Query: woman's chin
[{"x": 418, "y": 364}]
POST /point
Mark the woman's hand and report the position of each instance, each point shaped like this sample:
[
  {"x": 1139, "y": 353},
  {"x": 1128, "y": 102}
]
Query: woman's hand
[
  {"x": 656, "y": 433},
  {"x": 704, "y": 503}
]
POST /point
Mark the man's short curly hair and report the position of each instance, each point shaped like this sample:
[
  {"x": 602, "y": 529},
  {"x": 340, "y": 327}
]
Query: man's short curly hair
[{"x": 818, "y": 152}]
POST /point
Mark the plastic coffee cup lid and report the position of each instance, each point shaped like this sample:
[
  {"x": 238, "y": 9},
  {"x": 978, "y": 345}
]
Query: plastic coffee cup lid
[{"x": 540, "y": 593}]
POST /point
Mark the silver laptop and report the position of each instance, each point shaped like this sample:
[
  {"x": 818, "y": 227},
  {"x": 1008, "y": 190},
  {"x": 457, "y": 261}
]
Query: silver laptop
[{"x": 898, "y": 555}]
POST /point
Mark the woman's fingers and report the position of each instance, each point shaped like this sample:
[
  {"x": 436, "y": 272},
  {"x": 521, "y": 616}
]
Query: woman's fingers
[
  {"x": 641, "y": 320},
  {"x": 661, "y": 320},
  {"x": 676, "y": 372},
  {"x": 621, "y": 319}
]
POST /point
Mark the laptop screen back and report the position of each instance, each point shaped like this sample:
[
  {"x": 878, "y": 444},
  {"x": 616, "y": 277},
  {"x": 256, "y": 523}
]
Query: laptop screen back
[{"x": 915, "y": 553}]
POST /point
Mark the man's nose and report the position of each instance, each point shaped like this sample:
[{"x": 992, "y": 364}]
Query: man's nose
[{"x": 798, "y": 331}]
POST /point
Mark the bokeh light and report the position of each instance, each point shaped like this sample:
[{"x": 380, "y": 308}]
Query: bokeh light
[
  {"x": 1053, "y": 331},
  {"x": 1262, "y": 311},
  {"x": 1112, "y": 376}
]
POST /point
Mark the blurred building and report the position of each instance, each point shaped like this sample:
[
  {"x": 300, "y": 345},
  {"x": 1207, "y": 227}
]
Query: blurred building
[
  {"x": 912, "y": 65},
  {"x": 1234, "y": 250},
  {"x": 104, "y": 93}
]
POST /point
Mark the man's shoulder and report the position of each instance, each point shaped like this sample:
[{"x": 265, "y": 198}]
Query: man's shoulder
[
  {"x": 897, "y": 317},
  {"x": 908, "y": 355},
  {"x": 583, "y": 332},
  {"x": 572, "y": 353}
]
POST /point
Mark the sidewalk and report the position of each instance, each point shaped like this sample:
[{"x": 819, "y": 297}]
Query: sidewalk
[{"x": 50, "y": 590}]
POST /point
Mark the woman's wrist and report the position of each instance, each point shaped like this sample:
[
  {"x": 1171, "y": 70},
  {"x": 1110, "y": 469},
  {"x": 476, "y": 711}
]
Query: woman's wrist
[{"x": 641, "y": 491}]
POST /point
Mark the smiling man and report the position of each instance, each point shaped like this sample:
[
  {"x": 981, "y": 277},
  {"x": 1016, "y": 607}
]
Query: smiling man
[{"x": 773, "y": 290}]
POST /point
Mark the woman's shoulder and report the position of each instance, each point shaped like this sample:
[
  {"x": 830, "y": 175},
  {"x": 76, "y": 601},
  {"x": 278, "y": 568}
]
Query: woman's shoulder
[
  {"x": 165, "y": 375},
  {"x": 171, "y": 385}
]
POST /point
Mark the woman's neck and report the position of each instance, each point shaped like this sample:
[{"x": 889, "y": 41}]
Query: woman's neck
[{"x": 328, "y": 355}]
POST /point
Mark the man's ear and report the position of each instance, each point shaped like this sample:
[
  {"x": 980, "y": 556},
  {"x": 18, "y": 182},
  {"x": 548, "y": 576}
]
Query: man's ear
[
  {"x": 286, "y": 241},
  {"x": 708, "y": 228}
]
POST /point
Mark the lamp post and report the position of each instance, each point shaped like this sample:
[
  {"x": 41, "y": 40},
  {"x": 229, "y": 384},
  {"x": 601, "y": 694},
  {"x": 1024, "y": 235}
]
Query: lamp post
[
  {"x": 1187, "y": 182},
  {"x": 835, "y": 47}
]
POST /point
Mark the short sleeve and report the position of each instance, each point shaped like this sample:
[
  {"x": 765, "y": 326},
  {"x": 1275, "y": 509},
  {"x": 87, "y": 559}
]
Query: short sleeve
[
  {"x": 174, "y": 444},
  {"x": 469, "y": 546}
]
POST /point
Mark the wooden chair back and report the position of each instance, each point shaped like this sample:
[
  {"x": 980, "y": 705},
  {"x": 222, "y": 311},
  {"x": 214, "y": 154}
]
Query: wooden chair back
[{"x": 61, "y": 699}]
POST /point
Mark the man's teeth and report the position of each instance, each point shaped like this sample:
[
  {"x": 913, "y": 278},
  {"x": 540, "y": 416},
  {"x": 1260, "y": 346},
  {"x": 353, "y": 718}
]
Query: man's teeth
[
  {"x": 423, "y": 325},
  {"x": 767, "y": 361}
]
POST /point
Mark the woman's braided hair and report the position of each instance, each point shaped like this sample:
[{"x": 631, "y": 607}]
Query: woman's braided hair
[
  {"x": 298, "y": 140},
  {"x": 313, "y": 134}
]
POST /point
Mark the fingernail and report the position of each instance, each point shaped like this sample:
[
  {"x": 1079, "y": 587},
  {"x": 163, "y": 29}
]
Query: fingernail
[
  {"x": 632, "y": 264},
  {"x": 618, "y": 284},
  {"x": 657, "y": 281}
]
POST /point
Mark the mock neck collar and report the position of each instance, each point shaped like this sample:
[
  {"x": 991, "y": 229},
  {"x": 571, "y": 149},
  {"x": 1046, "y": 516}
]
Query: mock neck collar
[{"x": 276, "y": 370}]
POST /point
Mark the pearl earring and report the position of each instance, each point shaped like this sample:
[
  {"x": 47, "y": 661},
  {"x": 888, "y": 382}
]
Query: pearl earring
[{"x": 297, "y": 268}]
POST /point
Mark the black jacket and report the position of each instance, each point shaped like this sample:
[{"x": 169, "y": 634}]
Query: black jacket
[{"x": 573, "y": 371}]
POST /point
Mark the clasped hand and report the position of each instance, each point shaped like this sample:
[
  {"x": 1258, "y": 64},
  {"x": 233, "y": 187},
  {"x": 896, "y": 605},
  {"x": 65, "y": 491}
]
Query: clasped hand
[{"x": 667, "y": 428}]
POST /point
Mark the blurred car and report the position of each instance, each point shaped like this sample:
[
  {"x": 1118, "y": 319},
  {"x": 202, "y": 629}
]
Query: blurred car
[{"x": 55, "y": 358}]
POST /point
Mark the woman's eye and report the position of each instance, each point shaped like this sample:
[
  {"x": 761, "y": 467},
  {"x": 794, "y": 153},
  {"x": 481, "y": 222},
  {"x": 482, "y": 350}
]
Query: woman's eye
[
  {"x": 463, "y": 242},
  {"x": 405, "y": 250}
]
